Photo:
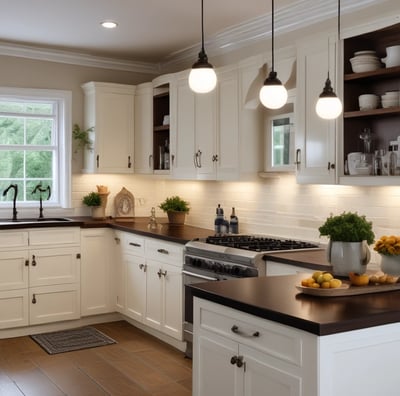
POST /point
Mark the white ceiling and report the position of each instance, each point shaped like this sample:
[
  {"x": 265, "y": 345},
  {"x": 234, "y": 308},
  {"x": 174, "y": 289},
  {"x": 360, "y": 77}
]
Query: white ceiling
[{"x": 149, "y": 31}]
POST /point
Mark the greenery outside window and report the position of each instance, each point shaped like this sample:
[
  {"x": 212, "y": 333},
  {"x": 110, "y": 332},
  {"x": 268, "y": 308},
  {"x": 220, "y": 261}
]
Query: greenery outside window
[{"x": 35, "y": 141}]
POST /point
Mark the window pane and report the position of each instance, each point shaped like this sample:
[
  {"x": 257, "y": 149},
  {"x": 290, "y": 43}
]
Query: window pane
[
  {"x": 38, "y": 131},
  {"x": 11, "y": 130},
  {"x": 11, "y": 164},
  {"x": 39, "y": 164},
  {"x": 26, "y": 108}
]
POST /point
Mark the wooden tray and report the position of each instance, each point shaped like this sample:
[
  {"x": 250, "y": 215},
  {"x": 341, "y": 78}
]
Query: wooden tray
[{"x": 348, "y": 290}]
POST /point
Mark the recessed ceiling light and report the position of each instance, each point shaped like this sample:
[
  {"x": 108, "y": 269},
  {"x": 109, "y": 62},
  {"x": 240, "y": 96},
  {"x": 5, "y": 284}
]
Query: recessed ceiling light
[{"x": 109, "y": 24}]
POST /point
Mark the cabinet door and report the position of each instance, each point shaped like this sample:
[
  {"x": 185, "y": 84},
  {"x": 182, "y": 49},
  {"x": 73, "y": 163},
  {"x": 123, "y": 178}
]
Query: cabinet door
[
  {"x": 54, "y": 266},
  {"x": 213, "y": 373},
  {"x": 135, "y": 286},
  {"x": 172, "y": 301},
  {"x": 14, "y": 308},
  {"x": 97, "y": 251},
  {"x": 315, "y": 137},
  {"x": 154, "y": 298},
  {"x": 13, "y": 270},
  {"x": 205, "y": 135},
  {"x": 54, "y": 303},
  {"x": 183, "y": 148},
  {"x": 119, "y": 274},
  {"x": 262, "y": 378},
  {"x": 109, "y": 108},
  {"x": 143, "y": 161},
  {"x": 227, "y": 159}
]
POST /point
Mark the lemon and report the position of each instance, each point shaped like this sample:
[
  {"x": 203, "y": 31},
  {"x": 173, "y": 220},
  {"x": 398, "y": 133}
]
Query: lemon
[{"x": 335, "y": 283}]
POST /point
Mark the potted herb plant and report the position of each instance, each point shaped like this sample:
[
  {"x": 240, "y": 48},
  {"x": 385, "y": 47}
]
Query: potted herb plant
[
  {"x": 82, "y": 136},
  {"x": 93, "y": 200},
  {"x": 388, "y": 248},
  {"x": 176, "y": 209},
  {"x": 349, "y": 236}
]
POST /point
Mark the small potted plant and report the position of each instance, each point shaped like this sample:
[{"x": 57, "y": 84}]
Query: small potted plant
[
  {"x": 176, "y": 209},
  {"x": 93, "y": 200},
  {"x": 349, "y": 236},
  {"x": 82, "y": 136},
  {"x": 389, "y": 249}
]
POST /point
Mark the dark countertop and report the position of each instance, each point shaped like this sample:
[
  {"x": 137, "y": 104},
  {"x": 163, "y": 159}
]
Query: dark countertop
[
  {"x": 311, "y": 259},
  {"x": 172, "y": 233},
  {"x": 277, "y": 299},
  {"x": 168, "y": 232}
]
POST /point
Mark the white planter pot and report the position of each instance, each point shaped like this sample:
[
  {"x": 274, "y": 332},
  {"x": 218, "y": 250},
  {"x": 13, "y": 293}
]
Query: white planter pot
[
  {"x": 348, "y": 257},
  {"x": 390, "y": 264}
]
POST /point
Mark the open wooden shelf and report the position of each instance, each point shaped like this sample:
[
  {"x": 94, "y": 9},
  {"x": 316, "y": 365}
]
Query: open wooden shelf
[
  {"x": 371, "y": 113},
  {"x": 389, "y": 72},
  {"x": 161, "y": 128}
]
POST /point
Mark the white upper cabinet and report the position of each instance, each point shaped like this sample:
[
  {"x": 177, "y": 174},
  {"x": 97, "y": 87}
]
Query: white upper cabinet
[
  {"x": 109, "y": 108},
  {"x": 315, "y": 137},
  {"x": 143, "y": 159}
]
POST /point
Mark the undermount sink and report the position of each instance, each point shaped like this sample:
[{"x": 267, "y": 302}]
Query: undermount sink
[{"x": 37, "y": 220}]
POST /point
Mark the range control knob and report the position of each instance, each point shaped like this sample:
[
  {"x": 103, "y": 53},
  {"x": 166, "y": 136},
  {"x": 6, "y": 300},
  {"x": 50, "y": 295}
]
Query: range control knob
[{"x": 236, "y": 270}]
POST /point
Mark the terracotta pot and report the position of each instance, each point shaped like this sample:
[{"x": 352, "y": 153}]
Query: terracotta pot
[{"x": 176, "y": 217}]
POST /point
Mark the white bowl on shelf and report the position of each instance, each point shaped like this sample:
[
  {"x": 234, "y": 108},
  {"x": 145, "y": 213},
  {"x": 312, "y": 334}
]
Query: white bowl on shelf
[
  {"x": 363, "y": 170},
  {"x": 368, "y": 102},
  {"x": 365, "y": 67},
  {"x": 387, "y": 103},
  {"x": 365, "y": 52}
]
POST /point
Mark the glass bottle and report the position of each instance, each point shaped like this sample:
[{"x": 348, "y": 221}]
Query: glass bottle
[
  {"x": 219, "y": 220},
  {"x": 234, "y": 223}
]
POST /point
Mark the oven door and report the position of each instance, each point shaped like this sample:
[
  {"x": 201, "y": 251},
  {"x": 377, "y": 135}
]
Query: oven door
[{"x": 191, "y": 278}]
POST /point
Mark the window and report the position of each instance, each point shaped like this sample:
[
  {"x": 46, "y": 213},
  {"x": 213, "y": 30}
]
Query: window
[{"x": 35, "y": 143}]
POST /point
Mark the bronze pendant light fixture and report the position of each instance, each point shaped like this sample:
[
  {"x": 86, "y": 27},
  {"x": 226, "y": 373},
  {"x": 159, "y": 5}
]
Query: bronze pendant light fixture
[
  {"x": 273, "y": 93},
  {"x": 329, "y": 105},
  {"x": 202, "y": 77}
]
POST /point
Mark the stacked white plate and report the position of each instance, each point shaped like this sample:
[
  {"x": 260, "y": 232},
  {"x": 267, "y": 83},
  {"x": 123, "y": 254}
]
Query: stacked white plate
[
  {"x": 390, "y": 99},
  {"x": 365, "y": 61}
]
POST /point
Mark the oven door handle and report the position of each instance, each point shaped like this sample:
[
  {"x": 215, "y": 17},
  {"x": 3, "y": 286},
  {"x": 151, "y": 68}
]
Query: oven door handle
[{"x": 199, "y": 276}]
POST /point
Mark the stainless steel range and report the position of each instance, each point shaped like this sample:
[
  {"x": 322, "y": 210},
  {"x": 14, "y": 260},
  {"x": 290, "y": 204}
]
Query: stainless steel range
[{"x": 219, "y": 258}]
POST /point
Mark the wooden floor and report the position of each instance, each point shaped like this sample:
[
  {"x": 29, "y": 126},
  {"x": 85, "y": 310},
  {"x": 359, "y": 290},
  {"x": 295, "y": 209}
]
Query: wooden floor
[{"x": 137, "y": 365}]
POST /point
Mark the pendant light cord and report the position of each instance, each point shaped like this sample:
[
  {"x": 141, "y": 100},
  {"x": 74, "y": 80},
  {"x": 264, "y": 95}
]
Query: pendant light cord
[
  {"x": 202, "y": 27},
  {"x": 272, "y": 36},
  {"x": 338, "y": 23}
]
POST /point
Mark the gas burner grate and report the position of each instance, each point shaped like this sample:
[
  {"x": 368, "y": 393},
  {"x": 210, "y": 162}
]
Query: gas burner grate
[{"x": 258, "y": 244}]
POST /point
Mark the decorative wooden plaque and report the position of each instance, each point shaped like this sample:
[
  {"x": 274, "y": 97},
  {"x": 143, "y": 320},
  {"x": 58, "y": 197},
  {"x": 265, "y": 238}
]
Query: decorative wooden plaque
[{"x": 124, "y": 204}]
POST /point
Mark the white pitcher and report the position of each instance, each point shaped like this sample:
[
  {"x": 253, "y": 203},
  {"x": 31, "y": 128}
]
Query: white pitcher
[
  {"x": 393, "y": 56},
  {"x": 348, "y": 257}
]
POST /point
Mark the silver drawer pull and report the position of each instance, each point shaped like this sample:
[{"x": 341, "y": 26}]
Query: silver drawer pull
[
  {"x": 235, "y": 329},
  {"x": 135, "y": 244},
  {"x": 163, "y": 251}
]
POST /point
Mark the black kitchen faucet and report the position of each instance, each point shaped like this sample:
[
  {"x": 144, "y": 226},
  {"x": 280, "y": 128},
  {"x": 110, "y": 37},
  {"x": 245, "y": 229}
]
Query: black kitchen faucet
[
  {"x": 15, "y": 188},
  {"x": 41, "y": 190}
]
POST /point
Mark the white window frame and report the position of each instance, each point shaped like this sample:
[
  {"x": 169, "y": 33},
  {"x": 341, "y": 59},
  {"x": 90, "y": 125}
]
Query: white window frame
[{"x": 63, "y": 101}]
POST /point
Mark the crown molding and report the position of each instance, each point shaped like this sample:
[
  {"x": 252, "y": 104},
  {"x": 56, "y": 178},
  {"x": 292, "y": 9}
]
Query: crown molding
[
  {"x": 76, "y": 58},
  {"x": 299, "y": 15}
]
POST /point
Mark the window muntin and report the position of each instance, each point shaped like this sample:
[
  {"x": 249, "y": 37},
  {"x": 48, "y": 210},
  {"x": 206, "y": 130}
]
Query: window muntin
[{"x": 35, "y": 145}]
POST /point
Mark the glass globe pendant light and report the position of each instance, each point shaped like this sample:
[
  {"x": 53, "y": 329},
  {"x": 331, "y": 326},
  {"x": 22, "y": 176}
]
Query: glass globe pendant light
[
  {"x": 329, "y": 105},
  {"x": 202, "y": 77},
  {"x": 273, "y": 93}
]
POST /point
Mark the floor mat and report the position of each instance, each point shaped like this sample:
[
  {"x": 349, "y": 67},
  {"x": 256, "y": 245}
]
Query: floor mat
[{"x": 72, "y": 340}]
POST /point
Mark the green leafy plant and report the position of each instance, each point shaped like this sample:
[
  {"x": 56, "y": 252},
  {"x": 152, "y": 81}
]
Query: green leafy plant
[
  {"x": 92, "y": 199},
  {"x": 82, "y": 137},
  {"x": 175, "y": 204},
  {"x": 348, "y": 227}
]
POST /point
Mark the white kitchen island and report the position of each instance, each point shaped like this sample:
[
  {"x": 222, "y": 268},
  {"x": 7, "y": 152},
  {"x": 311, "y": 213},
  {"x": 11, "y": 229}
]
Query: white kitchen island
[{"x": 249, "y": 340}]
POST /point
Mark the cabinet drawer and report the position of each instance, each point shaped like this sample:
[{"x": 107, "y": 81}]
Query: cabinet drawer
[
  {"x": 63, "y": 236},
  {"x": 10, "y": 240},
  {"x": 133, "y": 244},
  {"x": 170, "y": 253},
  {"x": 271, "y": 338}
]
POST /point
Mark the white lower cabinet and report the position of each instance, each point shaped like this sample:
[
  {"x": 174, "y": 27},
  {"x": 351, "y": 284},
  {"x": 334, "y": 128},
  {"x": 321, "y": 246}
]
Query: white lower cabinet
[
  {"x": 237, "y": 354},
  {"x": 153, "y": 282},
  {"x": 40, "y": 276},
  {"x": 97, "y": 253}
]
